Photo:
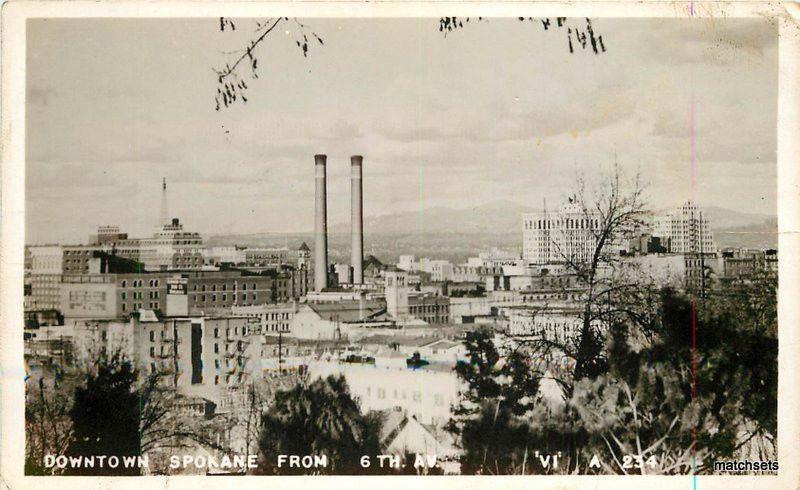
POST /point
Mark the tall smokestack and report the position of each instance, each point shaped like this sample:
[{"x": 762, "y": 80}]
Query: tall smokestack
[
  {"x": 320, "y": 225},
  {"x": 357, "y": 219}
]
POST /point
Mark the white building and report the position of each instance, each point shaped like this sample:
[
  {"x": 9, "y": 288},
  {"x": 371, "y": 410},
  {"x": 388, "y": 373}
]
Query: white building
[
  {"x": 553, "y": 324},
  {"x": 227, "y": 254},
  {"x": 274, "y": 318},
  {"x": 44, "y": 277},
  {"x": 426, "y": 393},
  {"x": 440, "y": 270},
  {"x": 171, "y": 247},
  {"x": 685, "y": 229},
  {"x": 334, "y": 321},
  {"x": 552, "y": 237}
]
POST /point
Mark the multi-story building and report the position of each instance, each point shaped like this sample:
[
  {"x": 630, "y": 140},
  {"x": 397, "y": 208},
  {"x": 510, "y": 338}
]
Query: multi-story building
[
  {"x": 266, "y": 257},
  {"x": 402, "y": 301},
  {"x": 742, "y": 263},
  {"x": 77, "y": 257},
  {"x": 232, "y": 255},
  {"x": 439, "y": 270},
  {"x": 273, "y": 319},
  {"x": 43, "y": 277},
  {"x": 568, "y": 235},
  {"x": 427, "y": 393},
  {"x": 685, "y": 229},
  {"x": 212, "y": 291},
  {"x": 474, "y": 272},
  {"x": 429, "y": 308},
  {"x": 172, "y": 248},
  {"x": 105, "y": 296},
  {"x": 108, "y": 234},
  {"x": 556, "y": 325},
  {"x": 198, "y": 356}
]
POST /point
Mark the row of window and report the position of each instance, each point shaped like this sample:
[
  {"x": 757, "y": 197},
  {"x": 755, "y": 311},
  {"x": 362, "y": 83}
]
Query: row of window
[
  {"x": 224, "y": 287},
  {"x": 153, "y": 305},
  {"x": 138, "y": 295},
  {"x": 416, "y": 396},
  {"x": 137, "y": 283},
  {"x": 224, "y": 297}
]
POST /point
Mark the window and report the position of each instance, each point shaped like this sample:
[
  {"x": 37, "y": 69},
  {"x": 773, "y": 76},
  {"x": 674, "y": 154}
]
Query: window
[
  {"x": 152, "y": 336},
  {"x": 224, "y": 297},
  {"x": 216, "y": 333},
  {"x": 216, "y": 380},
  {"x": 124, "y": 283},
  {"x": 123, "y": 296},
  {"x": 216, "y": 348},
  {"x": 124, "y": 306},
  {"x": 381, "y": 393},
  {"x": 213, "y": 297},
  {"x": 244, "y": 287},
  {"x": 152, "y": 351},
  {"x": 216, "y": 363}
]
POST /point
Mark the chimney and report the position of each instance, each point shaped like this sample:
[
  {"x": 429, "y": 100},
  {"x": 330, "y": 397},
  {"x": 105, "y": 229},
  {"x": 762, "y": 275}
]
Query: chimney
[
  {"x": 357, "y": 219},
  {"x": 320, "y": 225}
]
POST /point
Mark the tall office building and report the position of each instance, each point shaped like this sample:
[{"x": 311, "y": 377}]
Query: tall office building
[
  {"x": 685, "y": 229},
  {"x": 556, "y": 237}
]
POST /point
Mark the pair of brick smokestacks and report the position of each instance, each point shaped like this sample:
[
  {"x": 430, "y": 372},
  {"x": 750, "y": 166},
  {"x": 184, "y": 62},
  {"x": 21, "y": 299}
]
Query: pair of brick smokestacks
[{"x": 321, "y": 222}]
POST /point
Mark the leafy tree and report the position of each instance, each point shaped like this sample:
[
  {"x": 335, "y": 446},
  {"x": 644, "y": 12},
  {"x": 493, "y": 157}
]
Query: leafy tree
[
  {"x": 500, "y": 387},
  {"x": 615, "y": 208},
  {"x": 703, "y": 390},
  {"x": 105, "y": 417},
  {"x": 114, "y": 412},
  {"x": 48, "y": 427},
  {"x": 319, "y": 418}
]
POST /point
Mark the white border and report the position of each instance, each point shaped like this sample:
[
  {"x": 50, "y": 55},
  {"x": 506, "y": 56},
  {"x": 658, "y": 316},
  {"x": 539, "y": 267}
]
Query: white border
[{"x": 12, "y": 206}]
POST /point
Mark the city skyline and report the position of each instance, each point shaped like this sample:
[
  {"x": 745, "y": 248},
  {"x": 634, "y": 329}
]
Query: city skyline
[{"x": 101, "y": 135}]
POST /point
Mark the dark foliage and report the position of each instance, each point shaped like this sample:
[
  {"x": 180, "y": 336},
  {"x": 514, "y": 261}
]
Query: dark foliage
[
  {"x": 105, "y": 417},
  {"x": 320, "y": 418}
]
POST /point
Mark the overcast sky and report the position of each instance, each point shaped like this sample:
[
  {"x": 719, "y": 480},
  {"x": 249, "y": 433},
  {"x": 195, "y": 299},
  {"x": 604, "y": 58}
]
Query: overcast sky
[{"x": 498, "y": 111}]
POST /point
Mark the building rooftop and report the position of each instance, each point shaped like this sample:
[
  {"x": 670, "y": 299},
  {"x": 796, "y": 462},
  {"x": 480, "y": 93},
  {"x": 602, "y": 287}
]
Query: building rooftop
[{"x": 348, "y": 311}]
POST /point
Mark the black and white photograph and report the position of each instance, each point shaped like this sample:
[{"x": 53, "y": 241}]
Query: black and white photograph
[{"x": 408, "y": 245}]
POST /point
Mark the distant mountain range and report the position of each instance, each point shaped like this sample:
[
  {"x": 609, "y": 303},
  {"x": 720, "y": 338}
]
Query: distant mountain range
[
  {"x": 459, "y": 233},
  {"x": 504, "y": 217},
  {"x": 494, "y": 217}
]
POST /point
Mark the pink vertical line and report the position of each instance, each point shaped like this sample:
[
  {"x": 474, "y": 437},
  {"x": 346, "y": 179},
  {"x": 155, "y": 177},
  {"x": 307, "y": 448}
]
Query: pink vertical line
[
  {"x": 691, "y": 8},
  {"x": 692, "y": 152}
]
